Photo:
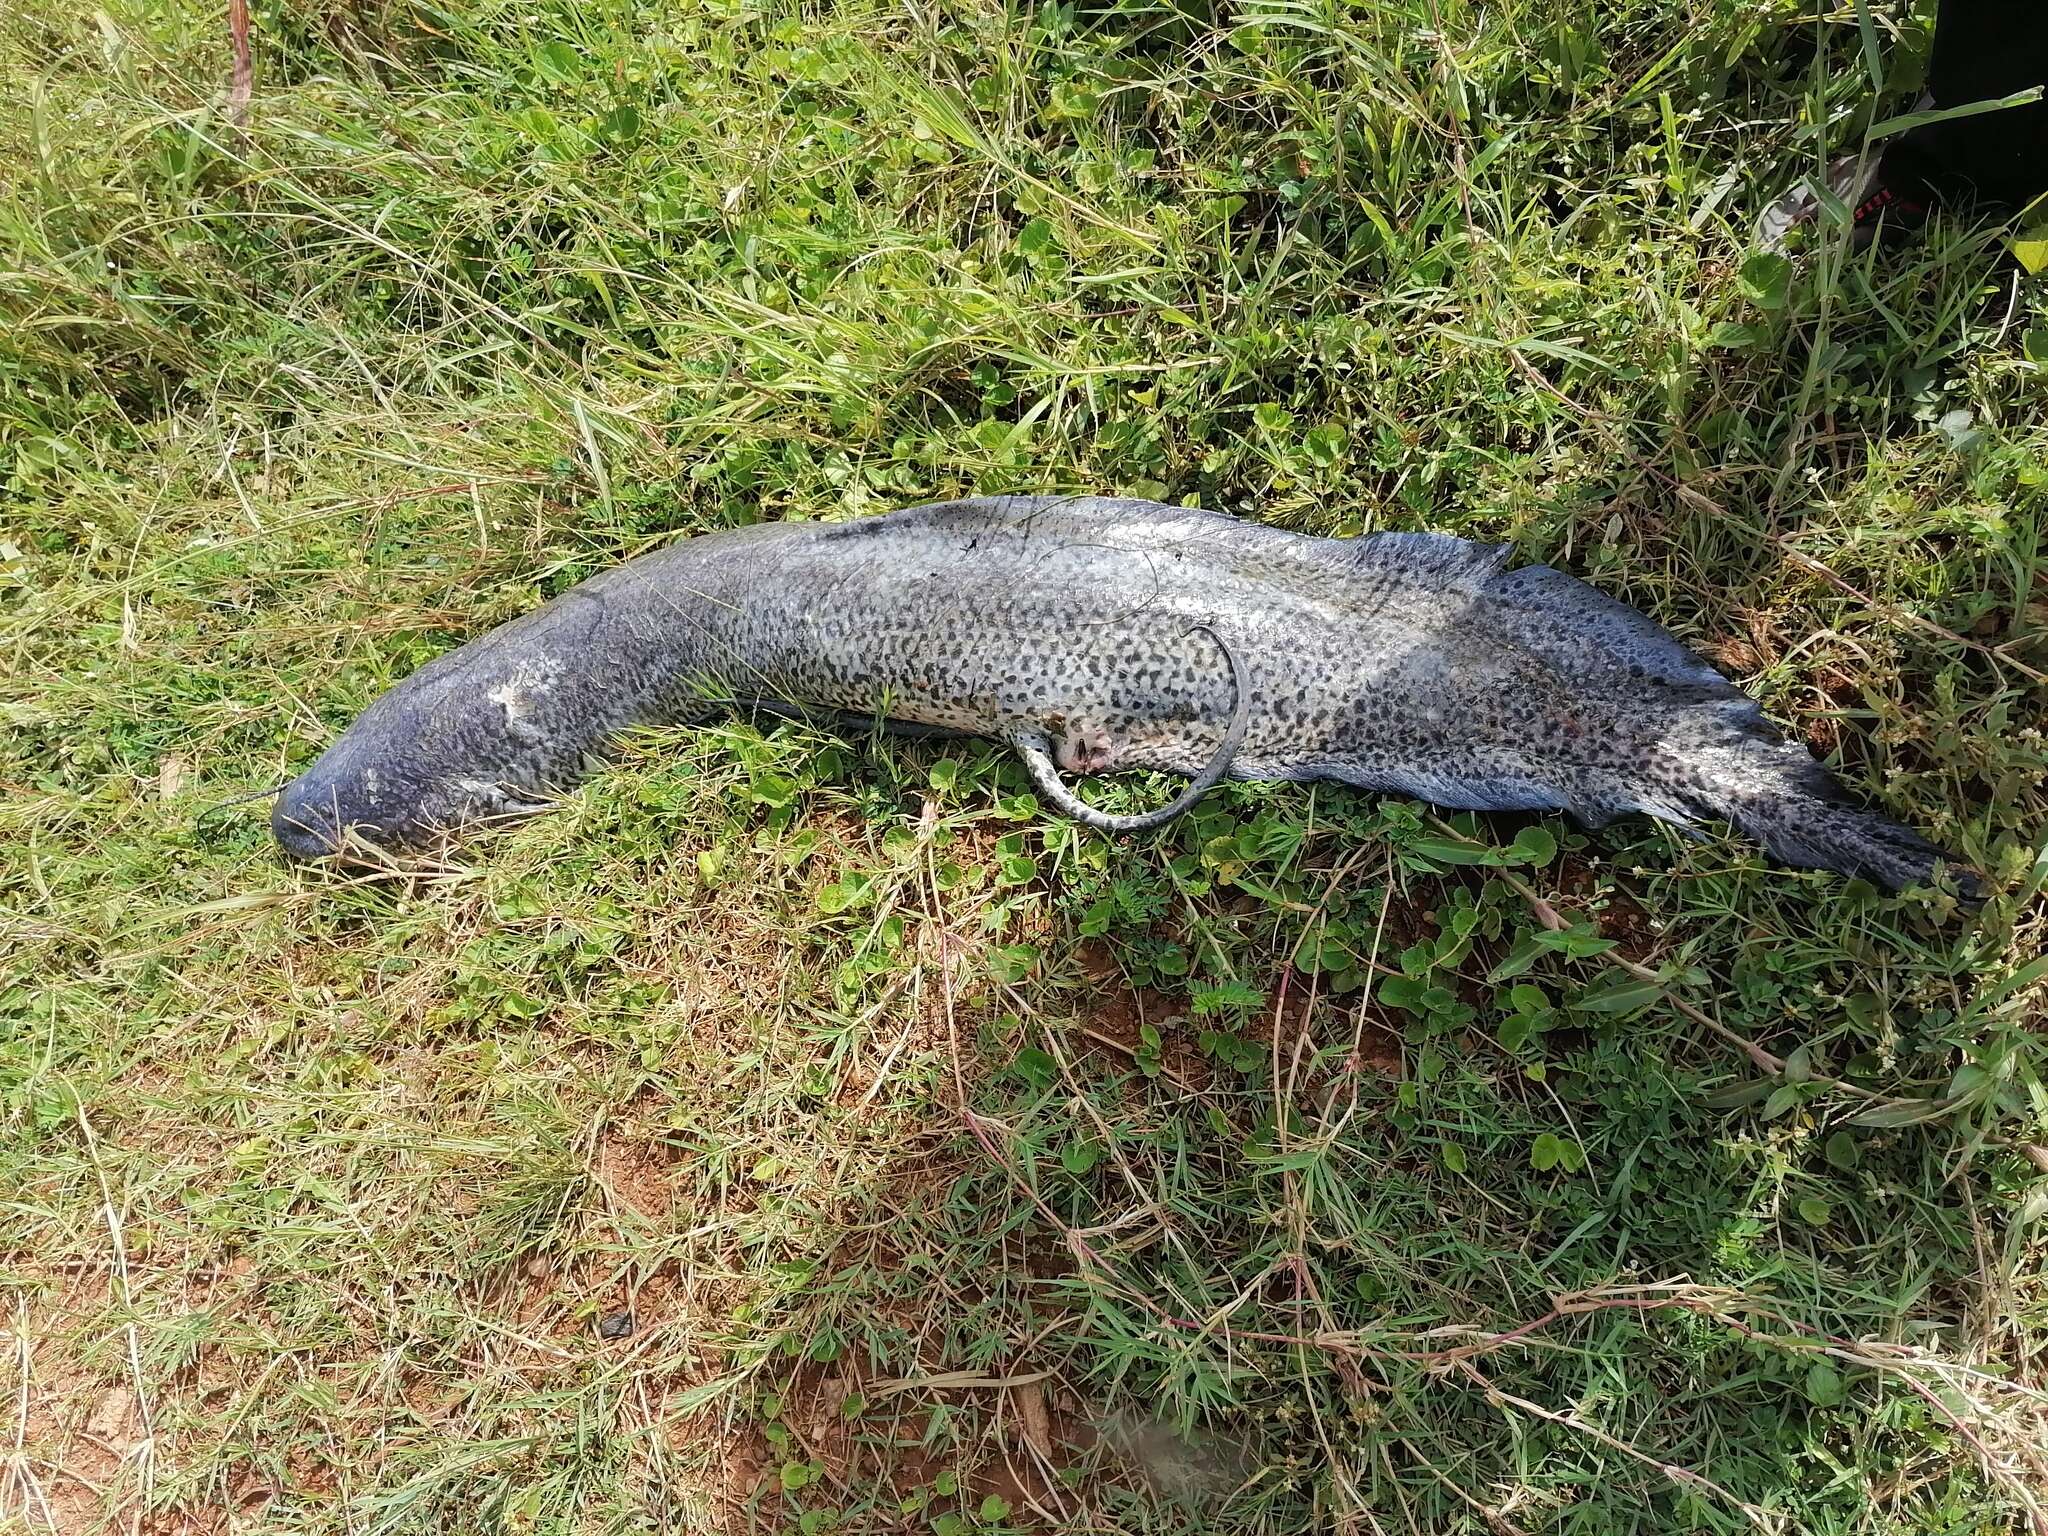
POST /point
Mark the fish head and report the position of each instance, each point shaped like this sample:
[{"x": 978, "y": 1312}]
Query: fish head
[
  {"x": 331, "y": 811},
  {"x": 432, "y": 756},
  {"x": 343, "y": 802}
]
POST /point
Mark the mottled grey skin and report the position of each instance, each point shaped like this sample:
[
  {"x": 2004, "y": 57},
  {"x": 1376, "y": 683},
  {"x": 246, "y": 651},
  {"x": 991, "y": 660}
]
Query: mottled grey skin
[{"x": 1106, "y": 634}]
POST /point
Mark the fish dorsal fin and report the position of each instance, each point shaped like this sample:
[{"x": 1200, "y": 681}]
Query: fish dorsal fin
[
  {"x": 1567, "y": 606},
  {"x": 1440, "y": 557},
  {"x": 1094, "y": 517}
]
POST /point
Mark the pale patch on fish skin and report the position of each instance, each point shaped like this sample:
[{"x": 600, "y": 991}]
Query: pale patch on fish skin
[
  {"x": 531, "y": 680},
  {"x": 485, "y": 800}
]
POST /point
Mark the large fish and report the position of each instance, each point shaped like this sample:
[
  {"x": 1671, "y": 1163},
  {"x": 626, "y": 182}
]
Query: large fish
[{"x": 1094, "y": 635}]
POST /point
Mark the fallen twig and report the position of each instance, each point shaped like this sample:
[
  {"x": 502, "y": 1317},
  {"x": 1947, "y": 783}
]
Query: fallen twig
[{"x": 244, "y": 80}]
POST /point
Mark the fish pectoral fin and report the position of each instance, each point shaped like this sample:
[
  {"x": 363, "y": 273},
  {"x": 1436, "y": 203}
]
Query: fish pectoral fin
[{"x": 1035, "y": 748}]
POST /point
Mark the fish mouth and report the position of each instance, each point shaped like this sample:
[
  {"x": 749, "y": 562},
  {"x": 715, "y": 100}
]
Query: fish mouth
[
  {"x": 303, "y": 844},
  {"x": 307, "y": 822},
  {"x": 310, "y": 824}
]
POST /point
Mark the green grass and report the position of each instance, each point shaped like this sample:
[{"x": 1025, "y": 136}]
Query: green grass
[{"x": 1319, "y": 1164}]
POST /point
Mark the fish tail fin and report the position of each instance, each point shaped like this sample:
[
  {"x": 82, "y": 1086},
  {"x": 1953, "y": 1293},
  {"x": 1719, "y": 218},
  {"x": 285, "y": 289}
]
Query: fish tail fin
[
  {"x": 1719, "y": 759},
  {"x": 1773, "y": 790},
  {"x": 1817, "y": 834}
]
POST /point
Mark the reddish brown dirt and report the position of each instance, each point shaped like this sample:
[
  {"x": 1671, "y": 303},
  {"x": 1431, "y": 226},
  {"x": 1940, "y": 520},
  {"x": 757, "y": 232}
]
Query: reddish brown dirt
[
  {"x": 1036, "y": 1433},
  {"x": 635, "y": 1169},
  {"x": 1114, "y": 1012},
  {"x": 83, "y": 1433}
]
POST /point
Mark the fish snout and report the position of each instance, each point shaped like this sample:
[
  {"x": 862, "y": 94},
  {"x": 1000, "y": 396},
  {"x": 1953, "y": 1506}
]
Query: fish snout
[
  {"x": 308, "y": 818},
  {"x": 305, "y": 826},
  {"x": 321, "y": 815}
]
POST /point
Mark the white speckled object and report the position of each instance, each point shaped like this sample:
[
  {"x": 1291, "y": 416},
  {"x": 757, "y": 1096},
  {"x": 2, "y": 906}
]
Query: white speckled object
[{"x": 1100, "y": 634}]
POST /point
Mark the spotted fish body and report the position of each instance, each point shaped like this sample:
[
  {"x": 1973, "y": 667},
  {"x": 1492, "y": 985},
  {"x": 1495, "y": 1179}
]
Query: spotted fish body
[{"x": 1122, "y": 635}]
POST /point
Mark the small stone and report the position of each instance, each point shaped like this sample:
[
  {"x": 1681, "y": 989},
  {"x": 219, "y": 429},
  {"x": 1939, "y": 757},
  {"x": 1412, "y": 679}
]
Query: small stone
[{"x": 616, "y": 1326}]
